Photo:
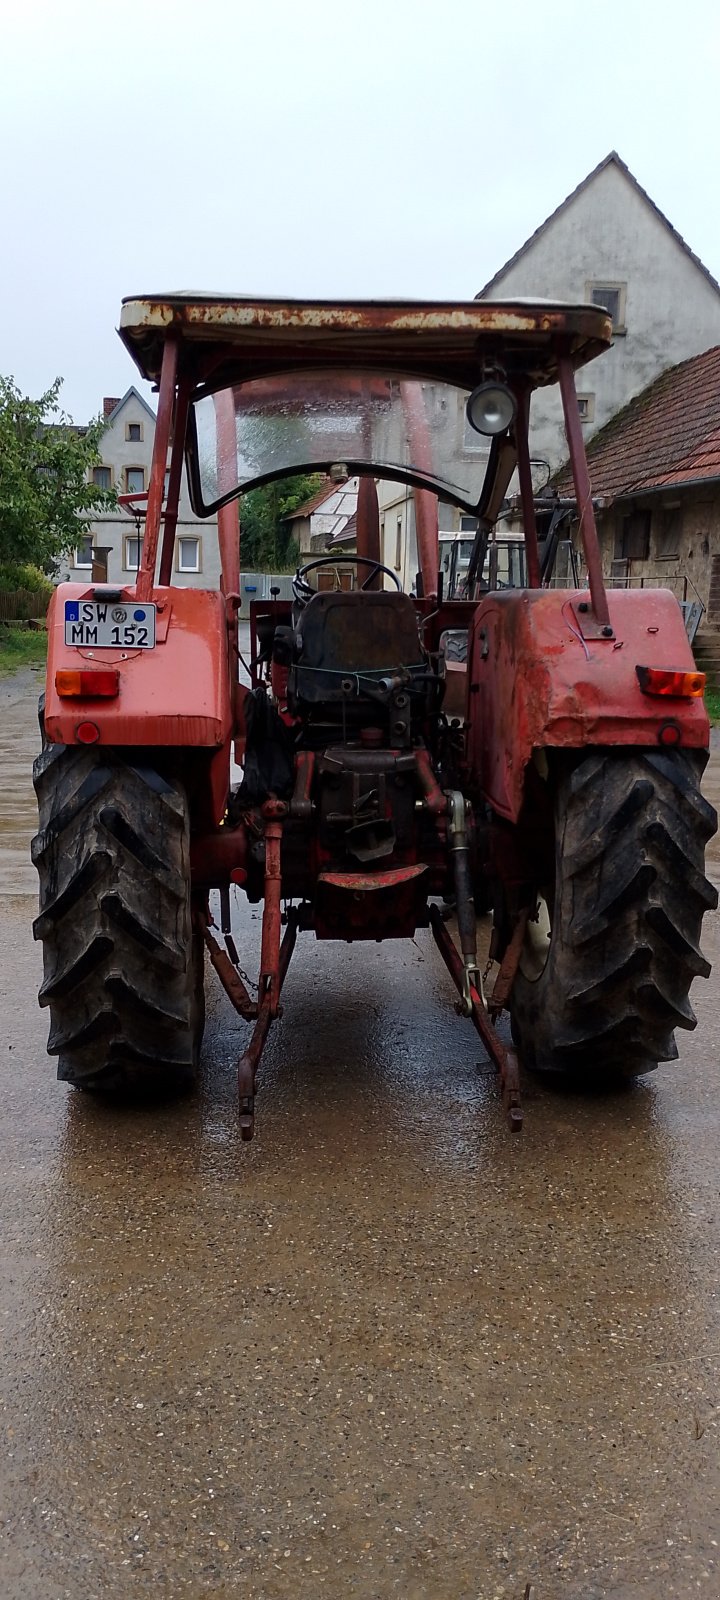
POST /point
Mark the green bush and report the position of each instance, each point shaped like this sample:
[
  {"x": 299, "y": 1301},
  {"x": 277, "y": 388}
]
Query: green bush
[
  {"x": 712, "y": 704},
  {"x": 18, "y": 575}
]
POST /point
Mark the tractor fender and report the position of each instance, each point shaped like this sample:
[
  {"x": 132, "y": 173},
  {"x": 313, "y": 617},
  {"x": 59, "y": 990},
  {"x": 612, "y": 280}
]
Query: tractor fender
[
  {"x": 540, "y": 674},
  {"x": 177, "y": 694}
]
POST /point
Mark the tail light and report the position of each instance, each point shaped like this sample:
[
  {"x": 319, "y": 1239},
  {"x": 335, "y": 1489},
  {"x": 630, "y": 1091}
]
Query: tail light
[
  {"x": 681, "y": 685},
  {"x": 93, "y": 683}
]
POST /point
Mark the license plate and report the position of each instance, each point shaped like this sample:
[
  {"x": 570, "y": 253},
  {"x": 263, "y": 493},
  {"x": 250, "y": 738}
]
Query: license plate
[{"x": 109, "y": 625}]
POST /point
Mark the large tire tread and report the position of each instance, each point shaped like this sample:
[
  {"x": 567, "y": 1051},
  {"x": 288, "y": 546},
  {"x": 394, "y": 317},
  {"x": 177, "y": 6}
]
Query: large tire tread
[
  {"x": 629, "y": 898},
  {"x": 122, "y": 968}
]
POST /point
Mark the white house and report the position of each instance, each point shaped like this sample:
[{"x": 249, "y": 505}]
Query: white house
[
  {"x": 321, "y": 521},
  {"x": 111, "y": 549},
  {"x": 326, "y": 524},
  {"x": 608, "y": 243},
  {"x": 398, "y": 535}
]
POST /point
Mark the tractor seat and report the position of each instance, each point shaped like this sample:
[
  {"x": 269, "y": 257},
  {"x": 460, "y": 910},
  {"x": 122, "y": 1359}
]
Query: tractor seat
[{"x": 369, "y": 632}]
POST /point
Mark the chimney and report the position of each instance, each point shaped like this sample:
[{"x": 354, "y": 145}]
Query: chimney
[{"x": 109, "y": 405}]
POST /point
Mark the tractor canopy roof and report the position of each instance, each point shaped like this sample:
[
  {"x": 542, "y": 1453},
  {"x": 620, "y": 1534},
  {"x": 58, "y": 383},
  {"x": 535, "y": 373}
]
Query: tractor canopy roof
[
  {"x": 222, "y": 338},
  {"x": 280, "y": 386}
]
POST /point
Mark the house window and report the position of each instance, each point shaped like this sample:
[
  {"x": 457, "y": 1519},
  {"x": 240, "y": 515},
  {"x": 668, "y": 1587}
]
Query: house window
[
  {"x": 133, "y": 551},
  {"x": 635, "y": 538},
  {"x": 468, "y": 524},
  {"x": 586, "y": 407},
  {"x": 188, "y": 556},
  {"x": 472, "y": 440},
  {"x": 102, "y": 477},
  {"x": 612, "y": 297},
  {"x": 398, "y": 544},
  {"x": 134, "y": 432},
  {"x": 667, "y": 525},
  {"x": 83, "y": 553},
  {"x": 134, "y": 480}
]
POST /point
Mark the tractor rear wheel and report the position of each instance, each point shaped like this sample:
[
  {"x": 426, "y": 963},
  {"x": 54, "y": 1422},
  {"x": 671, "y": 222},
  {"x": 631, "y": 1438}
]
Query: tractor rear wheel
[
  {"x": 123, "y": 969},
  {"x": 612, "y": 947}
]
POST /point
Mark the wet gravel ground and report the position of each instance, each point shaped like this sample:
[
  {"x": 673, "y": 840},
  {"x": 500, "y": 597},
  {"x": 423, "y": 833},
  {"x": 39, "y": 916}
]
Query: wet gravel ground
[{"x": 384, "y": 1350}]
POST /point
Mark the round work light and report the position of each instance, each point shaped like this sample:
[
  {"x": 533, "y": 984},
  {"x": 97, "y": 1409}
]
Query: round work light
[{"x": 491, "y": 408}]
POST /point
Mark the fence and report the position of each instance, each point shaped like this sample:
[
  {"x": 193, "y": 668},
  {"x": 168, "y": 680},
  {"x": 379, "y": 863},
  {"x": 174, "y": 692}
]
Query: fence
[{"x": 18, "y": 605}]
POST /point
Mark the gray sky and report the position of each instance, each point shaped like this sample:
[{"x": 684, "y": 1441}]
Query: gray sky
[{"x": 320, "y": 147}]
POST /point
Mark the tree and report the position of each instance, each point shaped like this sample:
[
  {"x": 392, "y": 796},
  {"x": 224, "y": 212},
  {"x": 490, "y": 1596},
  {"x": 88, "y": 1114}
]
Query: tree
[
  {"x": 266, "y": 542},
  {"x": 46, "y": 500}
]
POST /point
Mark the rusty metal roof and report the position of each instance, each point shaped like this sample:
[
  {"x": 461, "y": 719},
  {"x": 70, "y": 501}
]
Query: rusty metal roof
[
  {"x": 666, "y": 437},
  {"x": 224, "y": 339}
]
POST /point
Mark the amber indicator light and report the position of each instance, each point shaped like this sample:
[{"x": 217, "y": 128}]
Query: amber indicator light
[
  {"x": 96, "y": 682},
  {"x": 659, "y": 680}
]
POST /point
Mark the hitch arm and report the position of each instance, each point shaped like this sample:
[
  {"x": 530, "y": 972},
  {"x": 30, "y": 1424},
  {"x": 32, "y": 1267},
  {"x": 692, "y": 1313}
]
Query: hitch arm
[
  {"x": 464, "y": 899},
  {"x": 250, "y": 1060},
  {"x": 274, "y": 962},
  {"x": 504, "y": 1059}
]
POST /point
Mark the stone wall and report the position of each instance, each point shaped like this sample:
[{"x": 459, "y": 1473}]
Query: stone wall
[{"x": 681, "y": 532}]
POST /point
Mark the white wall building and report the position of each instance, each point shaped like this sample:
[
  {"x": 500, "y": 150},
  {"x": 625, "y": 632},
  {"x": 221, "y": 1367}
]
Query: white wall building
[
  {"x": 326, "y": 525},
  {"x": 113, "y": 543},
  {"x": 398, "y": 542},
  {"x": 322, "y": 519},
  {"x": 608, "y": 243}
]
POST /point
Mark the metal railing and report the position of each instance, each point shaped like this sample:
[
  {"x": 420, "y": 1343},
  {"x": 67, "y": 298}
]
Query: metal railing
[
  {"x": 685, "y": 591},
  {"x": 678, "y": 582}
]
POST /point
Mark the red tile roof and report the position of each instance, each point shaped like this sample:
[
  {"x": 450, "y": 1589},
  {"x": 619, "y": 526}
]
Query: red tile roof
[
  {"x": 668, "y": 435},
  {"x": 315, "y": 501}
]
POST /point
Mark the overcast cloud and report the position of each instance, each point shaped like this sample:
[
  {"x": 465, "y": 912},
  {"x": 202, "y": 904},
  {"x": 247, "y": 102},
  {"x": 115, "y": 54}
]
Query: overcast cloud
[{"x": 318, "y": 148}]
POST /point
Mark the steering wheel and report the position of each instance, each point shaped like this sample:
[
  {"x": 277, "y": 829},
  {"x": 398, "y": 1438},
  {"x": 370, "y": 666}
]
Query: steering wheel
[{"x": 304, "y": 591}]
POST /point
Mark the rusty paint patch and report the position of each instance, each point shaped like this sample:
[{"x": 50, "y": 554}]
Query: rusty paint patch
[{"x": 417, "y": 317}]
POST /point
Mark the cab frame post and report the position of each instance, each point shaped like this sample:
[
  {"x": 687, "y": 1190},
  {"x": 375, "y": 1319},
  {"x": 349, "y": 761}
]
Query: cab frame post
[
  {"x": 583, "y": 492},
  {"x": 166, "y": 401},
  {"x": 532, "y": 553}
]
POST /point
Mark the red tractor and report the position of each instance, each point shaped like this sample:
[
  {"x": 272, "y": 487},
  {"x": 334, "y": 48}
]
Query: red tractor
[{"x": 565, "y": 795}]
